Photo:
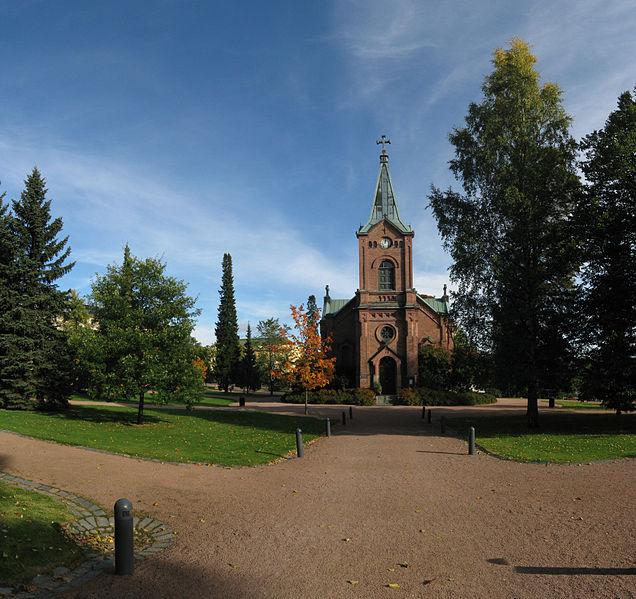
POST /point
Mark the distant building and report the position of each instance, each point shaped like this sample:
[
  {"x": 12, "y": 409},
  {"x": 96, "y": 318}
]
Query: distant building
[{"x": 377, "y": 333}]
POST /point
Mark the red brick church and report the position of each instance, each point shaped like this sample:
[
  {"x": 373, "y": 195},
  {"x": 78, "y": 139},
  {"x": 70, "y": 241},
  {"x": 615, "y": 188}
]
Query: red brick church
[{"x": 376, "y": 334}]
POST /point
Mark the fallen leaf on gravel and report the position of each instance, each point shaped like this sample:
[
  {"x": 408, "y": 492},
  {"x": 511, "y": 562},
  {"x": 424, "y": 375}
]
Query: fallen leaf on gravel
[
  {"x": 579, "y": 498},
  {"x": 431, "y": 581},
  {"x": 390, "y": 569},
  {"x": 422, "y": 530},
  {"x": 156, "y": 503},
  {"x": 202, "y": 520},
  {"x": 353, "y": 581},
  {"x": 233, "y": 565},
  {"x": 479, "y": 497},
  {"x": 393, "y": 585},
  {"x": 346, "y": 540},
  {"x": 404, "y": 565},
  {"x": 417, "y": 511}
]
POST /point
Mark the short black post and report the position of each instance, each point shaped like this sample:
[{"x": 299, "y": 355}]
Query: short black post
[
  {"x": 442, "y": 425},
  {"x": 344, "y": 418},
  {"x": 124, "y": 555},
  {"x": 328, "y": 425},
  {"x": 350, "y": 412},
  {"x": 423, "y": 412},
  {"x": 430, "y": 413},
  {"x": 299, "y": 442},
  {"x": 551, "y": 401},
  {"x": 242, "y": 401},
  {"x": 471, "y": 441}
]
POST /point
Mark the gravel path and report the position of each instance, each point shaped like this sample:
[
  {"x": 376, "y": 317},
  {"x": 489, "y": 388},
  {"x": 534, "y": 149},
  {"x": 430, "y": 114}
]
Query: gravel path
[{"x": 384, "y": 501}]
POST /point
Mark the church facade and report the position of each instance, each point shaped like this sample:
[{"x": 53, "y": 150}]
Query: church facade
[{"x": 377, "y": 333}]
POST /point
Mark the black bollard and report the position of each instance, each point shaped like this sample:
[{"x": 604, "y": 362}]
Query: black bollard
[
  {"x": 242, "y": 401},
  {"x": 430, "y": 413},
  {"x": 442, "y": 425},
  {"x": 328, "y": 425},
  {"x": 344, "y": 418},
  {"x": 423, "y": 412},
  {"x": 350, "y": 412},
  {"x": 471, "y": 441},
  {"x": 124, "y": 555},
  {"x": 299, "y": 442}
]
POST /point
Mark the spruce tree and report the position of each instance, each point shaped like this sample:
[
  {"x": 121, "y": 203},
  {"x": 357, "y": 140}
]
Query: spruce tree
[
  {"x": 35, "y": 365},
  {"x": 607, "y": 217},
  {"x": 250, "y": 377},
  {"x": 313, "y": 314},
  {"x": 227, "y": 341}
]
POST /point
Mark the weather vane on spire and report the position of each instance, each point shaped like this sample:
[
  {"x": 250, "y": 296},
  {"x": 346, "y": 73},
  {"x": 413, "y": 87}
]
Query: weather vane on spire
[{"x": 383, "y": 141}]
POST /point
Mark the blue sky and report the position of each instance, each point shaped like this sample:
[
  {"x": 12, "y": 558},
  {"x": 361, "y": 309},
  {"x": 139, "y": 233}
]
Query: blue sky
[{"x": 189, "y": 129}]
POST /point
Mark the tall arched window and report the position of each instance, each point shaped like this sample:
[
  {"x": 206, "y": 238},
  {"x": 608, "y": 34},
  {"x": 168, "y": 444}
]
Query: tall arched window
[{"x": 386, "y": 275}]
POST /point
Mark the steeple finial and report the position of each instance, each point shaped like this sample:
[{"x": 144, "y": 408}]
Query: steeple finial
[{"x": 383, "y": 141}]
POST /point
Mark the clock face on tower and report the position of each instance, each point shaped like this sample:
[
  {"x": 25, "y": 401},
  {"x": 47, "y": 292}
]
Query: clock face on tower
[{"x": 385, "y": 243}]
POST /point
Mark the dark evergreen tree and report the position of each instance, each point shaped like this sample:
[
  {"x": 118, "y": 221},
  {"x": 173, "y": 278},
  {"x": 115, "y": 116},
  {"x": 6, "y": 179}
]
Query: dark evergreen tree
[
  {"x": 36, "y": 365},
  {"x": 269, "y": 335},
  {"x": 313, "y": 313},
  {"x": 249, "y": 376},
  {"x": 608, "y": 216},
  {"x": 228, "y": 350},
  {"x": 510, "y": 236}
]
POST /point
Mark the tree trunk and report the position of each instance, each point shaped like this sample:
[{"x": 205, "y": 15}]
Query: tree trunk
[
  {"x": 532, "y": 412},
  {"x": 140, "y": 411},
  {"x": 306, "y": 394}
]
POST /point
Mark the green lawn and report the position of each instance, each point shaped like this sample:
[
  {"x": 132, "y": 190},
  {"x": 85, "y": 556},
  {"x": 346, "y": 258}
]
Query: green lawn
[
  {"x": 31, "y": 543},
  {"x": 562, "y": 437},
  {"x": 571, "y": 404},
  {"x": 207, "y": 436}
]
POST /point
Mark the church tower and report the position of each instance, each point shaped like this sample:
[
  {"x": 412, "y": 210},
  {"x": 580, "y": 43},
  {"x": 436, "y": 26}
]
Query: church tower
[{"x": 376, "y": 334}]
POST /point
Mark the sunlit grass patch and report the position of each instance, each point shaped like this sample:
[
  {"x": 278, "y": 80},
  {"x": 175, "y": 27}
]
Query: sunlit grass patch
[
  {"x": 561, "y": 438},
  {"x": 219, "y": 437}
]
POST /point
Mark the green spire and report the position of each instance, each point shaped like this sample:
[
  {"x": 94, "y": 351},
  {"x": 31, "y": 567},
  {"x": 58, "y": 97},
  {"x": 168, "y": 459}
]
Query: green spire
[{"x": 384, "y": 204}]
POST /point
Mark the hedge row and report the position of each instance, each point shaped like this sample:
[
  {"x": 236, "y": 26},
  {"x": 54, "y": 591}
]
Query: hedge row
[
  {"x": 431, "y": 397},
  {"x": 356, "y": 397}
]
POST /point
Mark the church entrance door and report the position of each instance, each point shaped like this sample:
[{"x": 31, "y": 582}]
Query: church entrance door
[{"x": 388, "y": 376}]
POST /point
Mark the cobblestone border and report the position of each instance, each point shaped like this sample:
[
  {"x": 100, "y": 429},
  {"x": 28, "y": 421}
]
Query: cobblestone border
[{"x": 93, "y": 520}]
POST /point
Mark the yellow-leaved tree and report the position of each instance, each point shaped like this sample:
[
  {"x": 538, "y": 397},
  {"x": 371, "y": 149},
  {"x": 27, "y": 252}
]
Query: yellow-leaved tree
[{"x": 303, "y": 357}]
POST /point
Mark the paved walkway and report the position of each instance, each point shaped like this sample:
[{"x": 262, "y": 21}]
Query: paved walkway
[{"x": 385, "y": 501}]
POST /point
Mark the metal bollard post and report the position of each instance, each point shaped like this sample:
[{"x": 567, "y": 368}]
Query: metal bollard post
[
  {"x": 471, "y": 441},
  {"x": 350, "y": 412},
  {"x": 299, "y": 443},
  {"x": 124, "y": 555},
  {"x": 423, "y": 412},
  {"x": 328, "y": 425},
  {"x": 344, "y": 418},
  {"x": 242, "y": 401},
  {"x": 430, "y": 413},
  {"x": 442, "y": 425}
]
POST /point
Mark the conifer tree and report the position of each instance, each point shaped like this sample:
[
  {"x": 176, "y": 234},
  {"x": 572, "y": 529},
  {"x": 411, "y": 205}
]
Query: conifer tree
[
  {"x": 228, "y": 350},
  {"x": 249, "y": 377},
  {"x": 36, "y": 363},
  {"x": 313, "y": 314},
  {"x": 608, "y": 218}
]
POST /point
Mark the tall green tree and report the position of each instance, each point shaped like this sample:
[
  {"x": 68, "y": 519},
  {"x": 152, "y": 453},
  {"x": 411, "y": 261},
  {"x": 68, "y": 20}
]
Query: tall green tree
[
  {"x": 249, "y": 376},
  {"x": 607, "y": 214},
  {"x": 269, "y": 335},
  {"x": 143, "y": 338},
  {"x": 313, "y": 313},
  {"x": 509, "y": 235},
  {"x": 228, "y": 351},
  {"x": 34, "y": 357}
]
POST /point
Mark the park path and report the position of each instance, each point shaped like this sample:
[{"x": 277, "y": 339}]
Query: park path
[{"x": 385, "y": 500}]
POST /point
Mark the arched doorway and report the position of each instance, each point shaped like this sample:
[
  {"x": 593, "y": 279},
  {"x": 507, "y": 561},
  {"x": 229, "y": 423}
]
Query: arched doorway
[{"x": 388, "y": 375}]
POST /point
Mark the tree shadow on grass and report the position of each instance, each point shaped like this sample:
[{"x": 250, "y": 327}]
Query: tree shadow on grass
[{"x": 106, "y": 414}]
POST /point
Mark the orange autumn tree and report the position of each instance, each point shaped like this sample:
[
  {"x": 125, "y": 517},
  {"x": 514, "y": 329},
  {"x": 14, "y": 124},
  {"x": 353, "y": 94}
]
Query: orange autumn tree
[{"x": 303, "y": 356}]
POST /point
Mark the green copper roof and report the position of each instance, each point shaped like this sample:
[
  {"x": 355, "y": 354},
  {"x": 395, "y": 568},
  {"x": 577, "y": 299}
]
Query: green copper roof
[
  {"x": 384, "y": 204},
  {"x": 439, "y": 305},
  {"x": 333, "y": 306}
]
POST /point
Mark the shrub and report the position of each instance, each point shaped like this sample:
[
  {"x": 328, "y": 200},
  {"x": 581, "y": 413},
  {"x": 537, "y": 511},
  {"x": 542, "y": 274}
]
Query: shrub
[
  {"x": 357, "y": 397},
  {"x": 434, "y": 397}
]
